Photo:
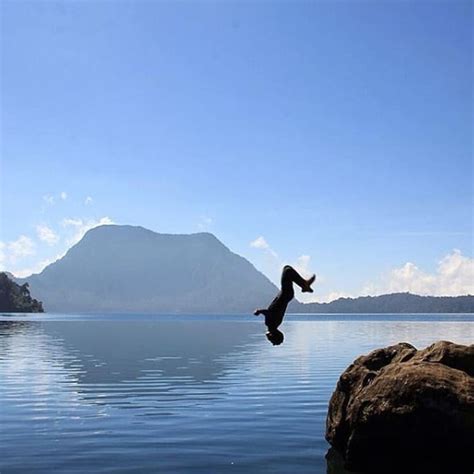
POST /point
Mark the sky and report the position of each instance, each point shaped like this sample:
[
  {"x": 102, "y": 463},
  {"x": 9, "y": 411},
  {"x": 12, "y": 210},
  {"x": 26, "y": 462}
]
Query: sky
[{"x": 332, "y": 135}]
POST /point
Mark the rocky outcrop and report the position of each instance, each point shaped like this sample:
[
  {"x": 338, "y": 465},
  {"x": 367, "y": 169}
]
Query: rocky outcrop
[
  {"x": 403, "y": 410},
  {"x": 16, "y": 298}
]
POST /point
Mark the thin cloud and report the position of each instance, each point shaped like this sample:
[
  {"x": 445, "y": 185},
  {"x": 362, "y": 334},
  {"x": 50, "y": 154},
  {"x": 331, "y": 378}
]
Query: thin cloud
[
  {"x": 16, "y": 250},
  {"x": 52, "y": 199},
  {"x": 454, "y": 276},
  {"x": 20, "y": 248},
  {"x": 262, "y": 244},
  {"x": 259, "y": 243},
  {"x": 302, "y": 265},
  {"x": 81, "y": 226},
  {"x": 46, "y": 234},
  {"x": 205, "y": 222},
  {"x": 38, "y": 267},
  {"x": 49, "y": 199},
  {"x": 332, "y": 296},
  {"x": 12, "y": 253},
  {"x": 2, "y": 255}
]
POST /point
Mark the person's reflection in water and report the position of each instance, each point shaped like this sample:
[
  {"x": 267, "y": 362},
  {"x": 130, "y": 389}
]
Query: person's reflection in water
[{"x": 276, "y": 311}]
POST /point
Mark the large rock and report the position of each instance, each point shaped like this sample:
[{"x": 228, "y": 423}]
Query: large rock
[{"x": 402, "y": 410}]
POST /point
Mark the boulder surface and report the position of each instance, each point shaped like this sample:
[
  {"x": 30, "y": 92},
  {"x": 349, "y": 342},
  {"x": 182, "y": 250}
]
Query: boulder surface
[{"x": 400, "y": 409}]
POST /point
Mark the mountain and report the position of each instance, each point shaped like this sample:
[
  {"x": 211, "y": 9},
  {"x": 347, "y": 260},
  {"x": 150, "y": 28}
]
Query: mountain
[
  {"x": 395, "y": 303},
  {"x": 131, "y": 269},
  {"x": 120, "y": 269},
  {"x": 16, "y": 298}
]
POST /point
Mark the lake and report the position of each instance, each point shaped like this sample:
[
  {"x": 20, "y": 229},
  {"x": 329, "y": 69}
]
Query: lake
[{"x": 183, "y": 394}]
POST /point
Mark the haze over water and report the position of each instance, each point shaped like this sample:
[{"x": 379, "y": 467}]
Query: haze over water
[{"x": 181, "y": 394}]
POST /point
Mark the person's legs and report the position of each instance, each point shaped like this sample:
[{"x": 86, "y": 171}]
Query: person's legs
[{"x": 290, "y": 276}]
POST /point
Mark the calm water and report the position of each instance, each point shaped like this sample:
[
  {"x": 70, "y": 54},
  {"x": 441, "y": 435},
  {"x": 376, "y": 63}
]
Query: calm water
[{"x": 182, "y": 394}]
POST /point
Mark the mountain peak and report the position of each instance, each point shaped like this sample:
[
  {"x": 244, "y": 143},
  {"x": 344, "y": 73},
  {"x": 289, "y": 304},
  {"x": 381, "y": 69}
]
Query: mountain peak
[{"x": 124, "y": 268}]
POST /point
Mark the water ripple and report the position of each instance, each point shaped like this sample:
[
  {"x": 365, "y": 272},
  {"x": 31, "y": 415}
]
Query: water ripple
[{"x": 148, "y": 395}]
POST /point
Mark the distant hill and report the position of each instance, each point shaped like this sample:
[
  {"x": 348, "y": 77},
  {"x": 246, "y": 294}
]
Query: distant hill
[
  {"x": 395, "y": 303},
  {"x": 131, "y": 269},
  {"x": 15, "y": 298}
]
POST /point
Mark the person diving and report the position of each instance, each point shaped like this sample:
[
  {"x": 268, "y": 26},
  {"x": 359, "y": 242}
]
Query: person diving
[{"x": 276, "y": 310}]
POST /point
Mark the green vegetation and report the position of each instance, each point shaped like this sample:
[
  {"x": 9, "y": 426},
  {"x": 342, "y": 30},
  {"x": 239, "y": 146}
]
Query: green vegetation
[
  {"x": 16, "y": 298},
  {"x": 396, "y": 303}
]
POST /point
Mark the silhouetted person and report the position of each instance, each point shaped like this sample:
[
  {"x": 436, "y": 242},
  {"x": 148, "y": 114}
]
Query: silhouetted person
[{"x": 276, "y": 311}]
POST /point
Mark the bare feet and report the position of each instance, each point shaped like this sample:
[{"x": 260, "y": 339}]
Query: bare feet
[
  {"x": 307, "y": 288},
  {"x": 258, "y": 312}
]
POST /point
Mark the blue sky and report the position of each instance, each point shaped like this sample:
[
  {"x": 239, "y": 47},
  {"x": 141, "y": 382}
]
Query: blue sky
[{"x": 339, "y": 133}]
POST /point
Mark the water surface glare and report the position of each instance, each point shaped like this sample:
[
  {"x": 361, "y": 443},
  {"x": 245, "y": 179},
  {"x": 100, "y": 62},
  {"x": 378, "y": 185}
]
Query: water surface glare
[{"x": 201, "y": 394}]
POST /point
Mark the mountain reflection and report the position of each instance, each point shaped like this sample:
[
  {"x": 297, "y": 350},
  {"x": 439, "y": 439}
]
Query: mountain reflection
[
  {"x": 124, "y": 363},
  {"x": 181, "y": 394}
]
